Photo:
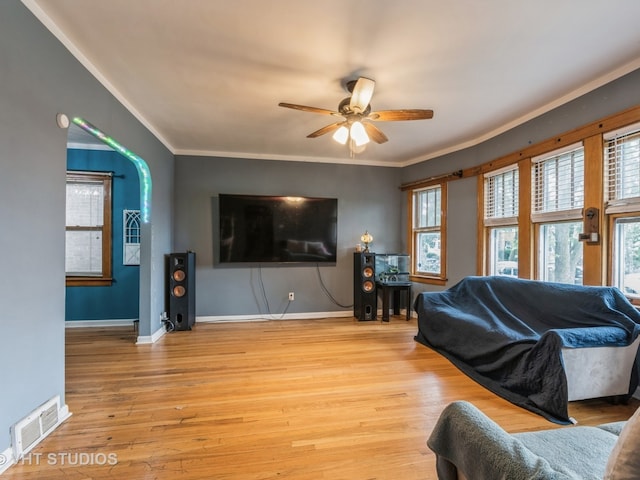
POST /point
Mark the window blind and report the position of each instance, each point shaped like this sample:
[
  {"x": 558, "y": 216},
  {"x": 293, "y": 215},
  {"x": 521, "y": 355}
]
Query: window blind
[
  {"x": 622, "y": 160},
  {"x": 558, "y": 185},
  {"x": 501, "y": 197},
  {"x": 84, "y": 203},
  {"x": 427, "y": 207}
]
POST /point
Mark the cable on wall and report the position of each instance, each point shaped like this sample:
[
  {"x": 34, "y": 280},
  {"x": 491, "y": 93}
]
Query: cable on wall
[
  {"x": 326, "y": 290},
  {"x": 266, "y": 300}
]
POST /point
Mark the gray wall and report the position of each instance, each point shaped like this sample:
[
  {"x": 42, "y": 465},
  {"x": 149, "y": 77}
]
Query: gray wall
[
  {"x": 462, "y": 215},
  {"x": 39, "y": 78},
  {"x": 368, "y": 199}
]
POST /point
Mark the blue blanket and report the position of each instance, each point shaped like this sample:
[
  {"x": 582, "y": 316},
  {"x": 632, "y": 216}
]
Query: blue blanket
[{"x": 507, "y": 334}]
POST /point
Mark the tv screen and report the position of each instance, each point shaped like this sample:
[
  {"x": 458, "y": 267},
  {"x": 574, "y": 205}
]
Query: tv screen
[{"x": 278, "y": 229}]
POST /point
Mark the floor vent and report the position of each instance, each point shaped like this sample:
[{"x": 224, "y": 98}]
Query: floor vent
[{"x": 28, "y": 432}]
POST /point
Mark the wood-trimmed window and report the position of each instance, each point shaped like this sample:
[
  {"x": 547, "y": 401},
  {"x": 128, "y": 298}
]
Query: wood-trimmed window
[
  {"x": 88, "y": 229},
  {"x": 622, "y": 190},
  {"x": 501, "y": 220},
  {"x": 428, "y": 233},
  {"x": 603, "y": 174},
  {"x": 557, "y": 211}
]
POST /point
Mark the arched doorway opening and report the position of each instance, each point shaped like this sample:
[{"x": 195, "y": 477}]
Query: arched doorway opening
[{"x": 124, "y": 221}]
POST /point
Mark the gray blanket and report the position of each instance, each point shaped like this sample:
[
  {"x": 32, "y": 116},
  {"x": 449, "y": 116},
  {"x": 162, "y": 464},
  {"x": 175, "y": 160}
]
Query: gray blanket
[{"x": 465, "y": 439}]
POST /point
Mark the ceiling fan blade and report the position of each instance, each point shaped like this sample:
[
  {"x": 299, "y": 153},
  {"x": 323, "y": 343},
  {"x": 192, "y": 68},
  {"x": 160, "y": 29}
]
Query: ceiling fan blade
[
  {"x": 304, "y": 108},
  {"x": 325, "y": 130},
  {"x": 374, "y": 133},
  {"x": 362, "y": 93},
  {"x": 398, "y": 115}
]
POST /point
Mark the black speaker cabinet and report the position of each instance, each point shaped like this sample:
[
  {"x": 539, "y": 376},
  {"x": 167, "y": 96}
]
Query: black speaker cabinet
[
  {"x": 181, "y": 290},
  {"x": 365, "y": 297}
]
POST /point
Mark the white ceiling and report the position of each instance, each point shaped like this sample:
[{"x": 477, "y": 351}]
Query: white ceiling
[{"x": 206, "y": 76}]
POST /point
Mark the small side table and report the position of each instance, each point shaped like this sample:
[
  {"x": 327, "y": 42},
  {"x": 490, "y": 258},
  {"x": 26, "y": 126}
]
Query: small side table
[{"x": 395, "y": 288}]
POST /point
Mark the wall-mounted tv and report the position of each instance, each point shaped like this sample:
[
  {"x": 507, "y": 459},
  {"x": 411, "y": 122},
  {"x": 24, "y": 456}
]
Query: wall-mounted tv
[{"x": 277, "y": 229}]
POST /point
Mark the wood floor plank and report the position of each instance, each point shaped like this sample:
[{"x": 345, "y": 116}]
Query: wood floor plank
[{"x": 296, "y": 399}]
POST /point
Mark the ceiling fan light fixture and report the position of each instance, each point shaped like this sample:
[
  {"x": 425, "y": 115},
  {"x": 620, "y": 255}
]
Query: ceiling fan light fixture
[
  {"x": 342, "y": 135},
  {"x": 354, "y": 110},
  {"x": 358, "y": 134}
]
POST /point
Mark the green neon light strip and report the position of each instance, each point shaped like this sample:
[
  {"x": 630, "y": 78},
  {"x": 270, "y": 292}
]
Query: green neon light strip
[{"x": 141, "y": 166}]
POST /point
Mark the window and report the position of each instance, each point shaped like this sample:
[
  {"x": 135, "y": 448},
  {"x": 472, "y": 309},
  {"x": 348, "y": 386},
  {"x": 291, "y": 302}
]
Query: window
[
  {"x": 557, "y": 201},
  {"x": 501, "y": 221},
  {"x": 622, "y": 157},
  {"x": 88, "y": 229},
  {"x": 595, "y": 167},
  {"x": 622, "y": 160},
  {"x": 626, "y": 264},
  {"x": 428, "y": 234}
]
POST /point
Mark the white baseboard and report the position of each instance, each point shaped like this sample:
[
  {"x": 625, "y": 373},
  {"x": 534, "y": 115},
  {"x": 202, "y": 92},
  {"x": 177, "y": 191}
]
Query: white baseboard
[
  {"x": 153, "y": 338},
  {"x": 122, "y": 322},
  {"x": 141, "y": 340},
  {"x": 264, "y": 318},
  {"x": 6, "y": 460}
]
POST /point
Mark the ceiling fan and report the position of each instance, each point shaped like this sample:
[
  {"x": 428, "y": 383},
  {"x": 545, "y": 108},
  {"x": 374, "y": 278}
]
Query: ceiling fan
[{"x": 356, "y": 127}]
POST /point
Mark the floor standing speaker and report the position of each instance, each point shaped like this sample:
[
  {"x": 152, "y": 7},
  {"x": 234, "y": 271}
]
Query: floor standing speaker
[
  {"x": 365, "y": 297},
  {"x": 181, "y": 291}
]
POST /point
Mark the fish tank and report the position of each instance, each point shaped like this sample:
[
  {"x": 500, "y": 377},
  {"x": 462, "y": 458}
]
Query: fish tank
[{"x": 392, "y": 267}]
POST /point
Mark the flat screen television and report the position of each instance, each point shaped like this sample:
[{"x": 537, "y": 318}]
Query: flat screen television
[{"x": 277, "y": 229}]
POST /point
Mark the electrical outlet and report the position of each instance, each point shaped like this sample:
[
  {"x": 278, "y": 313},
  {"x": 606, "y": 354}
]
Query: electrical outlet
[{"x": 291, "y": 297}]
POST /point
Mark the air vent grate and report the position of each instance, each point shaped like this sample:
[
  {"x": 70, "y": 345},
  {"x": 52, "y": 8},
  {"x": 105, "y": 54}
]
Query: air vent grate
[{"x": 28, "y": 432}]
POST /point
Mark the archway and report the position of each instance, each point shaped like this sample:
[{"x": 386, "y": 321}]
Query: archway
[{"x": 145, "y": 184}]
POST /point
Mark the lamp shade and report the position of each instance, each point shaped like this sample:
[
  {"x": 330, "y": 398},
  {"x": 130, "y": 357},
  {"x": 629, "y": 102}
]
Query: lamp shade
[
  {"x": 358, "y": 134},
  {"x": 342, "y": 135}
]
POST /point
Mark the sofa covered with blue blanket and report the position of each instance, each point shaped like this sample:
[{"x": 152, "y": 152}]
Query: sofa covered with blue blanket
[{"x": 537, "y": 344}]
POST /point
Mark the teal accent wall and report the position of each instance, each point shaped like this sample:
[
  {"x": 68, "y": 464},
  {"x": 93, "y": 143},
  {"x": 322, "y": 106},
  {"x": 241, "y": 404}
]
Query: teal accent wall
[{"x": 120, "y": 300}]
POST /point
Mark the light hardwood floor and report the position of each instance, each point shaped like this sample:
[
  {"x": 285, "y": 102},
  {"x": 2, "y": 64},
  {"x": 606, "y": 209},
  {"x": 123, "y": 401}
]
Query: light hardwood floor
[{"x": 309, "y": 399}]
